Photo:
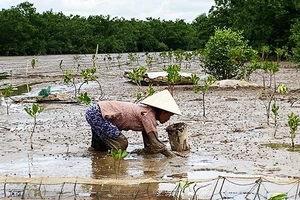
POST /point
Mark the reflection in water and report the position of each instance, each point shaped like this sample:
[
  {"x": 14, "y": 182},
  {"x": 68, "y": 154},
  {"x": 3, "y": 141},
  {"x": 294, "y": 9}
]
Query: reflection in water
[
  {"x": 133, "y": 166},
  {"x": 22, "y": 89}
]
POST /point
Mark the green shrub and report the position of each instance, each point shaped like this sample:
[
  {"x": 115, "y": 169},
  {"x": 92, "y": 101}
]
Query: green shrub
[
  {"x": 226, "y": 54},
  {"x": 295, "y": 38}
]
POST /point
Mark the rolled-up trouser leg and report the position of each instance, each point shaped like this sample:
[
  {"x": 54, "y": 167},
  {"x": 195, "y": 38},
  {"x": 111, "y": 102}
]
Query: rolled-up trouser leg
[
  {"x": 153, "y": 145},
  {"x": 97, "y": 143}
]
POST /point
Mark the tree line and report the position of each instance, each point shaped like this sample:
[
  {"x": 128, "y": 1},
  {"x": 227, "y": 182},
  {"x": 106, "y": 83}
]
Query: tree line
[{"x": 23, "y": 31}]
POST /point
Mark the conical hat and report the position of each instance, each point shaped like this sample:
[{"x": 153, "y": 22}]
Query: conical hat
[{"x": 162, "y": 100}]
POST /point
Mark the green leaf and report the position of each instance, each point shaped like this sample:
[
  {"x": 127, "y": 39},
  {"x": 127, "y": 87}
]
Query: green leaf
[{"x": 280, "y": 196}]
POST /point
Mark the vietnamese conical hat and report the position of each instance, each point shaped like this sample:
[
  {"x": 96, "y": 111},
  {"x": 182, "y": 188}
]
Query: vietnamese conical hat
[{"x": 162, "y": 100}]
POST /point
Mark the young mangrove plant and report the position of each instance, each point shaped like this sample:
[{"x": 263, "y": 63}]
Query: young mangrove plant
[
  {"x": 293, "y": 122},
  {"x": 84, "y": 98},
  {"x": 70, "y": 78},
  {"x": 118, "y": 155},
  {"x": 206, "y": 85},
  {"x": 188, "y": 57},
  {"x": 163, "y": 55},
  {"x": 179, "y": 55},
  {"x": 268, "y": 97},
  {"x": 281, "y": 89},
  {"x": 170, "y": 56},
  {"x": 6, "y": 93},
  {"x": 173, "y": 76},
  {"x": 132, "y": 57},
  {"x": 86, "y": 74},
  {"x": 33, "y": 62},
  {"x": 76, "y": 63},
  {"x": 89, "y": 75},
  {"x": 136, "y": 76},
  {"x": 278, "y": 196},
  {"x": 180, "y": 188},
  {"x": 33, "y": 112},
  {"x": 119, "y": 57},
  {"x": 149, "y": 61}
]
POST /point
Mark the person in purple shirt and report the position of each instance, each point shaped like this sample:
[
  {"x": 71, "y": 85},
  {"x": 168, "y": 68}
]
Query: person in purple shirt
[{"x": 109, "y": 118}]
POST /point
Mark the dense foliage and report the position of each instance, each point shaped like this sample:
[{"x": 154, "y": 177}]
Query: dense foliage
[
  {"x": 225, "y": 55},
  {"x": 23, "y": 31}
]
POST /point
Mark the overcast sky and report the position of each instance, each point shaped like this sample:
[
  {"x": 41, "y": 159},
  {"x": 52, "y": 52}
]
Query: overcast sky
[{"x": 138, "y": 9}]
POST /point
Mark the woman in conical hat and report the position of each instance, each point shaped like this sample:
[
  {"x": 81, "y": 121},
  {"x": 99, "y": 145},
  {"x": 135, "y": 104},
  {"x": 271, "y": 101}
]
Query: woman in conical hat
[{"x": 108, "y": 118}]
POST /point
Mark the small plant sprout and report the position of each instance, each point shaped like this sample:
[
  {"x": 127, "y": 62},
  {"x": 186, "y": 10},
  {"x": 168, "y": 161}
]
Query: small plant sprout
[
  {"x": 33, "y": 112},
  {"x": 132, "y": 57},
  {"x": 270, "y": 97},
  {"x": 281, "y": 89},
  {"x": 118, "y": 155},
  {"x": 69, "y": 78},
  {"x": 275, "y": 109},
  {"x": 180, "y": 188},
  {"x": 173, "y": 75},
  {"x": 136, "y": 76},
  {"x": 170, "y": 56},
  {"x": 163, "y": 56},
  {"x": 206, "y": 85},
  {"x": 84, "y": 98},
  {"x": 75, "y": 60},
  {"x": 278, "y": 196},
  {"x": 149, "y": 60},
  {"x": 6, "y": 93},
  {"x": 119, "y": 57},
  {"x": 89, "y": 75},
  {"x": 33, "y": 62},
  {"x": 293, "y": 122}
]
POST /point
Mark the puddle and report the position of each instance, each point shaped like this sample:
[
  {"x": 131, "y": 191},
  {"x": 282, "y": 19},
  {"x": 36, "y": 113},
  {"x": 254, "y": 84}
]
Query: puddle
[
  {"x": 22, "y": 89},
  {"x": 94, "y": 165},
  {"x": 283, "y": 146}
]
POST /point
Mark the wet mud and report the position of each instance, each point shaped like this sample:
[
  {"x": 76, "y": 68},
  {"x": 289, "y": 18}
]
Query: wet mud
[{"x": 230, "y": 140}]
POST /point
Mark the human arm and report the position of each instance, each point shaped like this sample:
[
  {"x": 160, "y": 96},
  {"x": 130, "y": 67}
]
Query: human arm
[{"x": 153, "y": 145}]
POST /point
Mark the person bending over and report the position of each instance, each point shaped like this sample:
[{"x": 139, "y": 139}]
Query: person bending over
[{"x": 109, "y": 118}]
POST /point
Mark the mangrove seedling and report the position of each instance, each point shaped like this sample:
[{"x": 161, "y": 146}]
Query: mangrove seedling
[
  {"x": 132, "y": 57},
  {"x": 276, "y": 196},
  {"x": 33, "y": 62},
  {"x": 75, "y": 61},
  {"x": 89, "y": 75},
  {"x": 136, "y": 76},
  {"x": 163, "y": 56},
  {"x": 84, "y": 98},
  {"x": 275, "y": 109},
  {"x": 188, "y": 57},
  {"x": 33, "y": 112},
  {"x": 149, "y": 60},
  {"x": 170, "y": 56},
  {"x": 119, "y": 57},
  {"x": 282, "y": 89},
  {"x": 206, "y": 85},
  {"x": 270, "y": 97},
  {"x": 173, "y": 76},
  {"x": 69, "y": 78},
  {"x": 179, "y": 55},
  {"x": 293, "y": 122},
  {"x": 118, "y": 155},
  {"x": 180, "y": 188},
  {"x": 6, "y": 93}
]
